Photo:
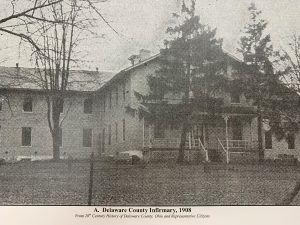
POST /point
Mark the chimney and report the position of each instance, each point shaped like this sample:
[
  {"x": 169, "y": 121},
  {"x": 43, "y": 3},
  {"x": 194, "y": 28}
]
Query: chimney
[
  {"x": 135, "y": 59},
  {"x": 144, "y": 54},
  {"x": 17, "y": 65},
  {"x": 97, "y": 69}
]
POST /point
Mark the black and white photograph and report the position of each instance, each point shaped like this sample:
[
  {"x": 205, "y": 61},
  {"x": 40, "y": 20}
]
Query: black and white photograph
[{"x": 149, "y": 104}]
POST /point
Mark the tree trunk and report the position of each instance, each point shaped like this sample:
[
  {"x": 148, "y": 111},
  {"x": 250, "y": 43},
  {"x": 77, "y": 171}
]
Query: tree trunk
[
  {"x": 259, "y": 135},
  {"x": 55, "y": 130},
  {"x": 180, "y": 158}
]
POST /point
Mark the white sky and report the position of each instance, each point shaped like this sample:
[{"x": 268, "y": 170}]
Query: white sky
[{"x": 142, "y": 24}]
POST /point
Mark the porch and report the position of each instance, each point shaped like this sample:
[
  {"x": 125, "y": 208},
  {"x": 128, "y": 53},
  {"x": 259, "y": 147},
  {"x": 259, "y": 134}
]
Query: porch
[{"x": 218, "y": 141}]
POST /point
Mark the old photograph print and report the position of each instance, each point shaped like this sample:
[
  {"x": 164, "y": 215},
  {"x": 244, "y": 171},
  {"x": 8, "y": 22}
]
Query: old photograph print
[{"x": 149, "y": 103}]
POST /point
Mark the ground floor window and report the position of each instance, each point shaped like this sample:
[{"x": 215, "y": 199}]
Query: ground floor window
[
  {"x": 60, "y": 137},
  {"x": 116, "y": 124},
  {"x": 109, "y": 134},
  {"x": 159, "y": 130},
  {"x": 291, "y": 141},
  {"x": 123, "y": 129},
  {"x": 268, "y": 139},
  {"x": 87, "y": 137},
  {"x": 26, "y": 136}
]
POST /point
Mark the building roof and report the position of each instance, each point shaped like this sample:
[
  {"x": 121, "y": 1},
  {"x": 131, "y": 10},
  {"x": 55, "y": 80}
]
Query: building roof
[{"x": 29, "y": 79}]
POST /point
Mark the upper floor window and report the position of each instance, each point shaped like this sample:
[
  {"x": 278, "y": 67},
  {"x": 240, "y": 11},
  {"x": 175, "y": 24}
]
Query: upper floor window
[
  {"x": 104, "y": 102},
  {"x": 110, "y": 99},
  {"x": 26, "y": 136},
  {"x": 291, "y": 141},
  {"x": 88, "y": 106},
  {"x": 27, "y": 104},
  {"x": 235, "y": 98},
  {"x": 117, "y": 95},
  {"x": 124, "y": 90}
]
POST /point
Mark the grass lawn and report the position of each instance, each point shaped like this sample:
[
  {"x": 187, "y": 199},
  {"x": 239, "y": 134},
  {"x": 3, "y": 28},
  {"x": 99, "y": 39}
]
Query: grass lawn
[{"x": 50, "y": 183}]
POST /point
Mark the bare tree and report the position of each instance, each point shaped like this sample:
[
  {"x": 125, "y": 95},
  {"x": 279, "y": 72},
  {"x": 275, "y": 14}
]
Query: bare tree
[{"x": 54, "y": 33}]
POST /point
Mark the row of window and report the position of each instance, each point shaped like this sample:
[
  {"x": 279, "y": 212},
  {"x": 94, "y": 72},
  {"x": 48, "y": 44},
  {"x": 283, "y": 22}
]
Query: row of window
[
  {"x": 27, "y": 137},
  {"x": 27, "y": 105},
  {"x": 116, "y": 92},
  {"x": 115, "y": 127}
]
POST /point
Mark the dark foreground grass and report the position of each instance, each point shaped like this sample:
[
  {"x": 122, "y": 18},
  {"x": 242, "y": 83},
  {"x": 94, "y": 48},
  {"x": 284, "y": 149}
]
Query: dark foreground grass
[{"x": 49, "y": 183}]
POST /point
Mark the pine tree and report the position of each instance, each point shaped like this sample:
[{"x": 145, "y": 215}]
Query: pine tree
[
  {"x": 190, "y": 66},
  {"x": 256, "y": 48}
]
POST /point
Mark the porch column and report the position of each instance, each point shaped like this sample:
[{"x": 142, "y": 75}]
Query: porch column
[
  {"x": 149, "y": 130},
  {"x": 143, "y": 132},
  {"x": 226, "y": 117}
]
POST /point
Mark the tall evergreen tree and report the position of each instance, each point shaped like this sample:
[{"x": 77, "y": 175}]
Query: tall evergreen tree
[
  {"x": 256, "y": 48},
  {"x": 190, "y": 66}
]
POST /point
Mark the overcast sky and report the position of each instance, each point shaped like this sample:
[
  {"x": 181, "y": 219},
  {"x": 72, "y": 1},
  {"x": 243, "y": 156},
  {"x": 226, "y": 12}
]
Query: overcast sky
[{"x": 142, "y": 24}]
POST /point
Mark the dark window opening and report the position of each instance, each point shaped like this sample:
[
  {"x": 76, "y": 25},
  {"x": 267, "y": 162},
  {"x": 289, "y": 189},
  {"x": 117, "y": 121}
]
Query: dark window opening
[
  {"x": 87, "y": 138},
  {"x": 103, "y": 140},
  {"x": 291, "y": 141},
  {"x": 109, "y": 134},
  {"x": 235, "y": 97},
  {"x": 116, "y": 132},
  {"x": 60, "y": 137},
  {"x": 124, "y": 91},
  {"x": 88, "y": 106},
  {"x": 104, "y": 103},
  {"x": 0, "y": 105},
  {"x": 26, "y": 136},
  {"x": 110, "y": 100},
  {"x": 61, "y": 106},
  {"x": 237, "y": 130},
  {"x": 27, "y": 105},
  {"x": 268, "y": 139},
  {"x": 123, "y": 129},
  {"x": 159, "y": 131},
  {"x": 117, "y": 95}
]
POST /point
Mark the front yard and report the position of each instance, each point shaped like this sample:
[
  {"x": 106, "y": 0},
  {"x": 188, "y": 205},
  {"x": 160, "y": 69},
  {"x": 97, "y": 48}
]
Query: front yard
[{"x": 49, "y": 183}]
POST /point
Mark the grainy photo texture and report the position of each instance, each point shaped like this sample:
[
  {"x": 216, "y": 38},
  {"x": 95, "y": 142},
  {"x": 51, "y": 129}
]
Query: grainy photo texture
[{"x": 147, "y": 102}]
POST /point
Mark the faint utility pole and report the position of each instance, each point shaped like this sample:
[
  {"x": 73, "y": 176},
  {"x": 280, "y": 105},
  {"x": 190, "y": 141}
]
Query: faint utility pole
[{"x": 91, "y": 179}]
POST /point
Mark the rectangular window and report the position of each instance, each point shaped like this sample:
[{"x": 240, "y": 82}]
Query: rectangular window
[
  {"x": 26, "y": 136},
  {"x": 159, "y": 131},
  {"x": 0, "y": 105},
  {"x": 116, "y": 132},
  {"x": 88, "y": 106},
  {"x": 124, "y": 91},
  {"x": 291, "y": 141},
  {"x": 110, "y": 100},
  {"x": 104, "y": 102},
  {"x": 60, "y": 137},
  {"x": 61, "y": 106},
  {"x": 103, "y": 140},
  {"x": 123, "y": 121},
  {"x": 235, "y": 98},
  {"x": 109, "y": 134},
  {"x": 268, "y": 139},
  {"x": 87, "y": 138},
  {"x": 117, "y": 95},
  {"x": 27, "y": 105}
]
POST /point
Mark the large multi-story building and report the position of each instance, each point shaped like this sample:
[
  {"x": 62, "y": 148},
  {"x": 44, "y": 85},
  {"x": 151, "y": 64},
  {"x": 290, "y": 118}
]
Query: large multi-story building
[{"x": 110, "y": 117}]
